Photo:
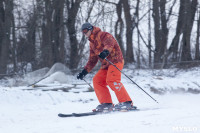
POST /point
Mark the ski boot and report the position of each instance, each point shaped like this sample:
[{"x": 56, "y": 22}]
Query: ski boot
[
  {"x": 104, "y": 107},
  {"x": 125, "y": 106}
]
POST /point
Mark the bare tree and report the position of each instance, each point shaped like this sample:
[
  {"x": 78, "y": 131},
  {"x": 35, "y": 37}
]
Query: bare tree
[
  {"x": 164, "y": 29},
  {"x": 157, "y": 36},
  {"x": 184, "y": 27},
  {"x": 149, "y": 35},
  {"x": 72, "y": 10},
  {"x": 190, "y": 10},
  {"x": 138, "y": 33},
  {"x": 161, "y": 31},
  {"x": 58, "y": 32},
  {"x": 130, "y": 25},
  {"x": 119, "y": 26},
  {"x": 6, "y": 11},
  {"x": 173, "y": 49},
  {"x": 53, "y": 33},
  {"x": 197, "y": 54},
  {"x": 46, "y": 46},
  {"x": 13, "y": 47},
  {"x": 52, "y": 26}
]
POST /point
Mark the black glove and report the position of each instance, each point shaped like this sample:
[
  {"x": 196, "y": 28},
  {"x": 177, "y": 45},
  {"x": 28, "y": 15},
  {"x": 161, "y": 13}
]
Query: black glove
[
  {"x": 104, "y": 54},
  {"x": 82, "y": 74}
]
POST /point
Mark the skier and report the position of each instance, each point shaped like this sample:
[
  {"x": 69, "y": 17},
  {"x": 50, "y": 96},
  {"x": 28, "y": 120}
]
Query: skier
[{"x": 103, "y": 45}]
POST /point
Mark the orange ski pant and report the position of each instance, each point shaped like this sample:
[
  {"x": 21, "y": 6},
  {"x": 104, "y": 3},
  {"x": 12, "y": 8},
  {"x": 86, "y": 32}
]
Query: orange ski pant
[{"x": 111, "y": 78}]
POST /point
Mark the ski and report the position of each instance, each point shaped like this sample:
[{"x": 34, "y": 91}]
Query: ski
[
  {"x": 79, "y": 114},
  {"x": 95, "y": 113}
]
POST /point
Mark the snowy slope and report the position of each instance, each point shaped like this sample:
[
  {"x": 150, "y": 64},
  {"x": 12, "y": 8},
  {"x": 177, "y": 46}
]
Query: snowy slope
[
  {"x": 31, "y": 110},
  {"x": 36, "y": 112}
]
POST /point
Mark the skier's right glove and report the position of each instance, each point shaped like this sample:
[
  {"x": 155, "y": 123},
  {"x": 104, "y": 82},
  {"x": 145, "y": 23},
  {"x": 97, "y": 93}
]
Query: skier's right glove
[{"x": 82, "y": 74}]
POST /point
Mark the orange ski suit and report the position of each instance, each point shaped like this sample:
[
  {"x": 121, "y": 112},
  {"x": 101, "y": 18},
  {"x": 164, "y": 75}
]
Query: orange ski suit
[{"x": 108, "y": 74}]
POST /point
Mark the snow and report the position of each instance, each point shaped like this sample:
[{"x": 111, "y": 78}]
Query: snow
[{"x": 33, "y": 110}]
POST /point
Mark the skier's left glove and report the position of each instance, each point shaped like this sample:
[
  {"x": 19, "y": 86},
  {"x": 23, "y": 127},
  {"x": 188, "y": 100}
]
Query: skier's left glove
[
  {"x": 82, "y": 74},
  {"x": 104, "y": 54}
]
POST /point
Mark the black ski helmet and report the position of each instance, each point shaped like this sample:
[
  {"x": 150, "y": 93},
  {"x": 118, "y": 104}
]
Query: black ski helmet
[{"x": 86, "y": 26}]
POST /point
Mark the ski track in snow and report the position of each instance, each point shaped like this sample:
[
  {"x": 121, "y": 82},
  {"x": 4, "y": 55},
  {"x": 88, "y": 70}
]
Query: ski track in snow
[{"x": 36, "y": 111}]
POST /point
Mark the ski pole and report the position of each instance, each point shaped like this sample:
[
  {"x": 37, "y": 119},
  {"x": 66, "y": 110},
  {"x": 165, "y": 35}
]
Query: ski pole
[
  {"x": 38, "y": 81},
  {"x": 88, "y": 84},
  {"x": 131, "y": 80}
]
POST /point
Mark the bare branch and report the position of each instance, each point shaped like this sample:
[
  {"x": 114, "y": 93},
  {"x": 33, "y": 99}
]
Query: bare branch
[
  {"x": 170, "y": 11},
  {"x": 108, "y": 2}
]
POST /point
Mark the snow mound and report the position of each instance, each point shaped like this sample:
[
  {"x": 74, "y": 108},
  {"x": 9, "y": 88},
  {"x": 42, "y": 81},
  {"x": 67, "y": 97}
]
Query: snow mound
[
  {"x": 58, "y": 67},
  {"x": 26, "y": 79},
  {"x": 38, "y": 73},
  {"x": 57, "y": 77},
  {"x": 58, "y": 73}
]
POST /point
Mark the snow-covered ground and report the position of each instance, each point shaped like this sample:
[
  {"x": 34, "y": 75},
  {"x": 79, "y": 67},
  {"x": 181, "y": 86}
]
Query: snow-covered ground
[{"x": 31, "y": 110}]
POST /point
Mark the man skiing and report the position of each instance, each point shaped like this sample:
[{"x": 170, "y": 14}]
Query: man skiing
[{"x": 103, "y": 45}]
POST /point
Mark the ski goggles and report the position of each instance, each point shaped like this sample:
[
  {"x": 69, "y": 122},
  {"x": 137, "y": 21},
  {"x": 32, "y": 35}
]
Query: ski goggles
[{"x": 85, "y": 31}]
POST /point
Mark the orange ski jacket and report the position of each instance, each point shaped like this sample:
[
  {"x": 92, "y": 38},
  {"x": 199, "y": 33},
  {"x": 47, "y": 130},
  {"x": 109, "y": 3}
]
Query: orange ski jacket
[{"x": 100, "y": 41}]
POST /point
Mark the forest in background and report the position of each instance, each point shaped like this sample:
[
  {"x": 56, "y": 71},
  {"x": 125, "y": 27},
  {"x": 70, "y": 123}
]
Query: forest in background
[{"x": 151, "y": 33}]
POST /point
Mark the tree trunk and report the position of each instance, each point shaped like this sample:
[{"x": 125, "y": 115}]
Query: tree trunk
[
  {"x": 130, "y": 25},
  {"x": 197, "y": 54},
  {"x": 6, "y": 10},
  {"x": 72, "y": 8},
  {"x": 161, "y": 32},
  {"x": 58, "y": 32},
  {"x": 119, "y": 27},
  {"x": 184, "y": 26},
  {"x": 30, "y": 53},
  {"x": 14, "y": 44},
  {"x": 149, "y": 36},
  {"x": 190, "y": 14},
  {"x": 47, "y": 54},
  {"x": 53, "y": 33},
  {"x": 164, "y": 31},
  {"x": 138, "y": 34},
  {"x": 158, "y": 45}
]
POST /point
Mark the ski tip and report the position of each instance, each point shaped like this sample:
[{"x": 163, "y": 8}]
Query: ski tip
[
  {"x": 60, "y": 115},
  {"x": 64, "y": 115}
]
